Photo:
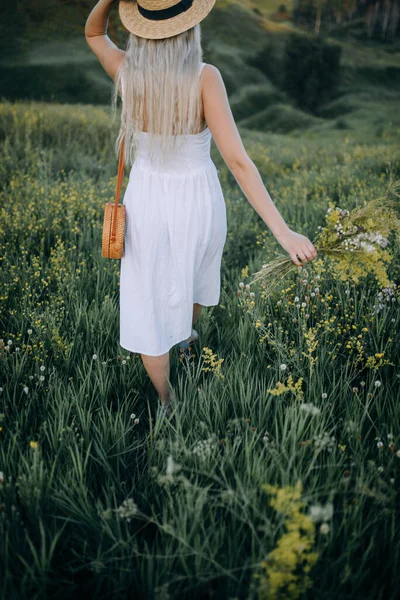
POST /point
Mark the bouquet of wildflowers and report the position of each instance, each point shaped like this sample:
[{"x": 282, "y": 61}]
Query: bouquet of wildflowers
[{"x": 354, "y": 241}]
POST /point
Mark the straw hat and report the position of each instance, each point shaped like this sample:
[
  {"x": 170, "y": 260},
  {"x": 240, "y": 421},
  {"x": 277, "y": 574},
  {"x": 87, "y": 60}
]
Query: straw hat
[{"x": 156, "y": 19}]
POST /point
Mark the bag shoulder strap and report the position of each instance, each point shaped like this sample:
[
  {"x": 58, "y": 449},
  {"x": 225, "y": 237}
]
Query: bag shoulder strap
[{"x": 121, "y": 167}]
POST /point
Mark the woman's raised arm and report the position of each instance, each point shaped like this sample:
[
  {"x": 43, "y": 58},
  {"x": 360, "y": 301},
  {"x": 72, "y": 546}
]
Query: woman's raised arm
[{"x": 109, "y": 55}]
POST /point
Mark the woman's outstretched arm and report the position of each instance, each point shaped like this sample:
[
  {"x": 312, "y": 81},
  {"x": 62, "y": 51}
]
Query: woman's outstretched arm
[
  {"x": 223, "y": 128},
  {"x": 104, "y": 48}
]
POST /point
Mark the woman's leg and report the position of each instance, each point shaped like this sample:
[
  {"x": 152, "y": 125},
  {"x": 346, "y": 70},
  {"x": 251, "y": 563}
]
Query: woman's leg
[
  {"x": 158, "y": 369},
  {"x": 196, "y": 311}
]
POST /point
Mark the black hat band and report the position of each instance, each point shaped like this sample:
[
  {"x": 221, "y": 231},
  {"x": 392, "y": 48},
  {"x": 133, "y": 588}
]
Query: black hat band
[{"x": 165, "y": 13}]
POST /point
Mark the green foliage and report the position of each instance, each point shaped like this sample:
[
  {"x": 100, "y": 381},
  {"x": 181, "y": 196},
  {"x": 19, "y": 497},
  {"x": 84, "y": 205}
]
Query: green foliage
[
  {"x": 69, "y": 83},
  {"x": 253, "y": 98},
  {"x": 280, "y": 118},
  {"x": 92, "y": 501},
  {"x": 311, "y": 70}
]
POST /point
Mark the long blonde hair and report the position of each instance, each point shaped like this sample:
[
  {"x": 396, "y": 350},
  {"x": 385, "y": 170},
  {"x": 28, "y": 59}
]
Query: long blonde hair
[{"x": 159, "y": 79}]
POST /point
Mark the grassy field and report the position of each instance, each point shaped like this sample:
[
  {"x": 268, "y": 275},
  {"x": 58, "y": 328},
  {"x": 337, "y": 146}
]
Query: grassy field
[
  {"x": 76, "y": 437},
  {"x": 281, "y": 479}
]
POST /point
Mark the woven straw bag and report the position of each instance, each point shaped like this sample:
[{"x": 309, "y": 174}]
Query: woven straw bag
[{"x": 114, "y": 219}]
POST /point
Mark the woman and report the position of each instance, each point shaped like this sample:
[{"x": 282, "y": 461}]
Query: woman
[{"x": 175, "y": 211}]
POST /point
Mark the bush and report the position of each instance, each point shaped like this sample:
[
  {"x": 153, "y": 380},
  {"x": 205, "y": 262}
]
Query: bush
[{"x": 311, "y": 70}]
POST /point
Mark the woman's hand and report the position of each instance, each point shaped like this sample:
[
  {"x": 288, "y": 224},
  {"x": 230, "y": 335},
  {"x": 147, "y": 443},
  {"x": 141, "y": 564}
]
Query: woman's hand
[{"x": 297, "y": 245}]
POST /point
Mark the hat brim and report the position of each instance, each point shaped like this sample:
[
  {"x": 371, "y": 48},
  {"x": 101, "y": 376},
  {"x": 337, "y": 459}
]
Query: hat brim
[{"x": 134, "y": 22}]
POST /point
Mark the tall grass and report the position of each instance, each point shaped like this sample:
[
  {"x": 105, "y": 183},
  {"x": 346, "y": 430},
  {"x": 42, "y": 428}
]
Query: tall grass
[{"x": 93, "y": 500}]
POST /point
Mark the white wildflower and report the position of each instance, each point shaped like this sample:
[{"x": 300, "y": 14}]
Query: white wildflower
[
  {"x": 310, "y": 408},
  {"x": 127, "y": 510},
  {"x": 324, "y": 528},
  {"x": 205, "y": 448},
  {"x": 318, "y": 512},
  {"x": 172, "y": 467},
  {"x": 283, "y": 367}
]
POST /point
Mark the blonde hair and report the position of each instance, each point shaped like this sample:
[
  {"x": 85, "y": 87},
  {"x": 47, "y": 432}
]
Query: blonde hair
[{"x": 159, "y": 79}]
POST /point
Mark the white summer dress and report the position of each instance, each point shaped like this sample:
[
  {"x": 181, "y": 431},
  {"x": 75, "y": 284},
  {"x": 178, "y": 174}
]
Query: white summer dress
[{"x": 175, "y": 232}]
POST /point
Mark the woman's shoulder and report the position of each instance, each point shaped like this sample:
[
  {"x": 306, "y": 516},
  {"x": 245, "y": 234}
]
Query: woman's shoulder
[{"x": 207, "y": 68}]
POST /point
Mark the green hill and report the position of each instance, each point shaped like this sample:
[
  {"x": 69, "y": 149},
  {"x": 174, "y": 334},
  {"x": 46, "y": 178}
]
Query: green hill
[{"x": 58, "y": 66}]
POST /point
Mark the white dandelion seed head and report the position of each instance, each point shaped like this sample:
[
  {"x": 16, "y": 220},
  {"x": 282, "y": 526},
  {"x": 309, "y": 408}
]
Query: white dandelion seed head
[
  {"x": 377, "y": 383},
  {"x": 133, "y": 416},
  {"x": 283, "y": 367},
  {"x": 94, "y": 356},
  {"x": 9, "y": 342},
  {"x": 42, "y": 368},
  {"x": 324, "y": 528},
  {"x": 324, "y": 395}
]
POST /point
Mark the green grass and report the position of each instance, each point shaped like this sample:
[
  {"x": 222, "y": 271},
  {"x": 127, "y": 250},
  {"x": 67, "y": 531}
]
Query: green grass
[{"x": 202, "y": 531}]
